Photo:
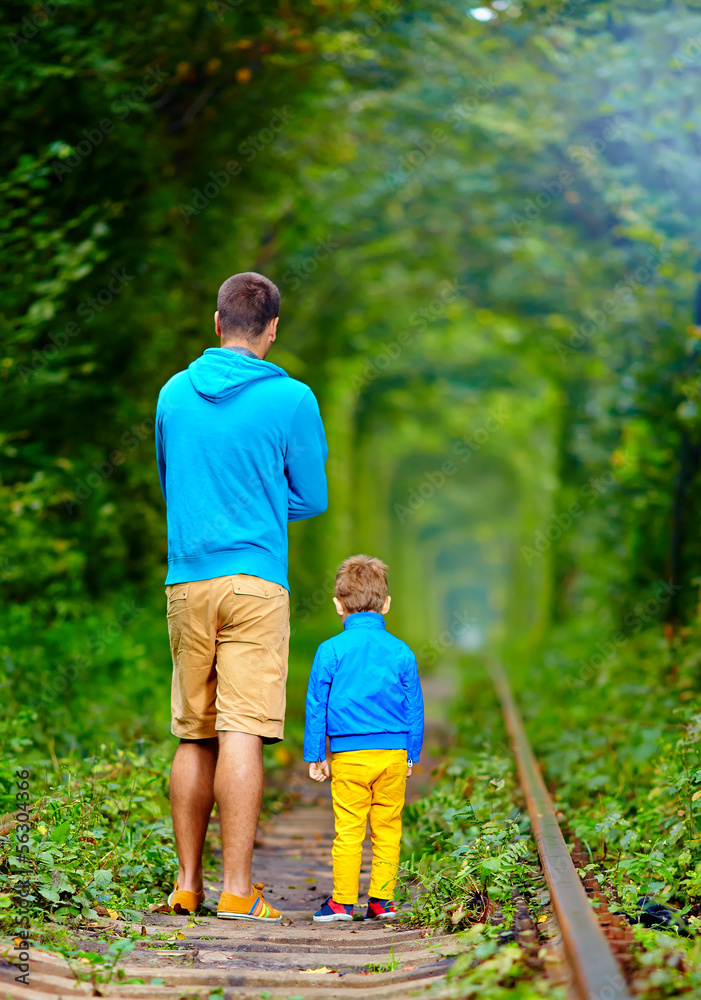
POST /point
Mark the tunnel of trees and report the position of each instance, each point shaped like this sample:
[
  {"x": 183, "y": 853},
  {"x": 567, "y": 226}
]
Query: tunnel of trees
[
  {"x": 484, "y": 224},
  {"x": 485, "y": 235}
]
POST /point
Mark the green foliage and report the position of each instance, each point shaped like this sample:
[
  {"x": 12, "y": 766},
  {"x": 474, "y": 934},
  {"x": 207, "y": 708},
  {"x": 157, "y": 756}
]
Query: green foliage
[
  {"x": 97, "y": 968},
  {"x": 484, "y": 969},
  {"x": 98, "y": 837},
  {"x": 412, "y": 201},
  {"x": 671, "y": 966},
  {"x": 391, "y": 965},
  {"x": 465, "y": 219},
  {"x": 467, "y": 841},
  {"x": 621, "y": 744}
]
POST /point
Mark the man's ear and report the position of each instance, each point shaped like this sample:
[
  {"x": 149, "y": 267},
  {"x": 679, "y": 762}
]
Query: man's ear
[
  {"x": 217, "y": 324},
  {"x": 338, "y": 606},
  {"x": 385, "y": 606},
  {"x": 273, "y": 329}
]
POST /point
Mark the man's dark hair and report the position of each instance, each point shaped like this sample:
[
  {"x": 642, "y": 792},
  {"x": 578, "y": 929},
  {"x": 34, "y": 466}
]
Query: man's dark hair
[{"x": 246, "y": 303}]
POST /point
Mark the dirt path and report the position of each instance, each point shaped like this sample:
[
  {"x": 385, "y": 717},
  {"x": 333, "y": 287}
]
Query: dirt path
[{"x": 236, "y": 959}]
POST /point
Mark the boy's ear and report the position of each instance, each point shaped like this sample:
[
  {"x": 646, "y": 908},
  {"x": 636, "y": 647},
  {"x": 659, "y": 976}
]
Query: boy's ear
[
  {"x": 339, "y": 607},
  {"x": 385, "y": 606}
]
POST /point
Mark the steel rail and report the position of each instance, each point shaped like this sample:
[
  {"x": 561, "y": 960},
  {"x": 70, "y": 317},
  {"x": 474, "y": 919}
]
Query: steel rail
[{"x": 595, "y": 971}]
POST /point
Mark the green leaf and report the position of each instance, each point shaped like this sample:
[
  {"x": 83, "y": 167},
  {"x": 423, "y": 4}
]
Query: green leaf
[
  {"x": 50, "y": 894},
  {"x": 492, "y": 864},
  {"x": 102, "y": 878},
  {"x": 60, "y": 834}
]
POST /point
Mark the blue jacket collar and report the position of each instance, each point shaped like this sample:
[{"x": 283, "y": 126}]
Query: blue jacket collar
[{"x": 364, "y": 619}]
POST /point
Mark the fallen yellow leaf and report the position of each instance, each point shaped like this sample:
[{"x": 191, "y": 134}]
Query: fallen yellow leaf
[
  {"x": 543, "y": 918},
  {"x": 319, "y": 971}
]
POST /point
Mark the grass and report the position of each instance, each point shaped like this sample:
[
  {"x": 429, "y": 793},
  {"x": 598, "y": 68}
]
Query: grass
[
  {"x": 391, "y": 965},
  {"x": 621, "y": 750},
  {"x": 92, "y": 763}
]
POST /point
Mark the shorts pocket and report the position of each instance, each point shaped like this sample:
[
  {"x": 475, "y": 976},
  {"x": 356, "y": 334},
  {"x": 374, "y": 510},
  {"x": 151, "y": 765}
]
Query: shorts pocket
[
  {"x": 254, "y": 586},
  {"x": 261, "y": 612},
  {"x": 273, "y": 686},
  {"x": 178, "y": 614}
]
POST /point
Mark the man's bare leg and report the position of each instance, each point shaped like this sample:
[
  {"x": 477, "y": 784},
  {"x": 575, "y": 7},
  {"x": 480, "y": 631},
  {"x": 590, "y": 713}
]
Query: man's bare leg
[
  {"x": 191, "y": 801},
  {"x": 238, "y": 789}
]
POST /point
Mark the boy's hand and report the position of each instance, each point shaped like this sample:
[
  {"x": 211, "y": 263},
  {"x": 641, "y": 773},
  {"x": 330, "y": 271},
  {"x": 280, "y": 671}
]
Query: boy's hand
[
  {"x": 319, "y": 771},
  {"x": 409, "y": 766}
]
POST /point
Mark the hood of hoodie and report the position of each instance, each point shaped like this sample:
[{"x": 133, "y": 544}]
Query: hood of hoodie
[{"x": 218, "y": 374}]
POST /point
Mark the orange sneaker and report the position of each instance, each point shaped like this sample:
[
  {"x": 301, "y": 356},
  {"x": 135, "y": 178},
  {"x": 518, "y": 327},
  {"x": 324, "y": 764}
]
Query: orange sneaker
[
  {"x": 251, "y": 907},
  {"x": 184, "y": 901}
]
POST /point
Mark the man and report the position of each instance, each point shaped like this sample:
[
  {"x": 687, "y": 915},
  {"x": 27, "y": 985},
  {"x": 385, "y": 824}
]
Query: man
[{"x": 241, "y": 451}]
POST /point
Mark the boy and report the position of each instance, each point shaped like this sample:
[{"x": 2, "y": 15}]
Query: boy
[{"x": 364, "y": 692}]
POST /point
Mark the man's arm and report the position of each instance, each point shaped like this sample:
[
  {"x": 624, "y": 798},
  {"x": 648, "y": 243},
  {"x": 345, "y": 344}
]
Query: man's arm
[
  {"x": 317, "y": 702},
  {"x": 412, "y": 685},
  {"x": 304, "y": 462},
  {"x": 161, "y": 450}
]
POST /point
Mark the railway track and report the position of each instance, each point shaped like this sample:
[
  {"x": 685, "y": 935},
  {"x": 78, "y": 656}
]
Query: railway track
[
  {"x": 585, "y": 948},
  {"x": 596, "y": 942},
  {"x": 177, "y": 957}
]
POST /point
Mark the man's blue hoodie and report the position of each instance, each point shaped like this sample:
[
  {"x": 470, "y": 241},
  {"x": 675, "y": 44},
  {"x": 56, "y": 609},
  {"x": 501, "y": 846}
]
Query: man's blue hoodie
[{"x": 241, "y": 451}]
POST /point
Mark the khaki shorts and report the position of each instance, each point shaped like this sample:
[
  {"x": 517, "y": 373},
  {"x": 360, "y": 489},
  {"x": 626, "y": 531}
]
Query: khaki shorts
[{"x": 230, "y": 640}]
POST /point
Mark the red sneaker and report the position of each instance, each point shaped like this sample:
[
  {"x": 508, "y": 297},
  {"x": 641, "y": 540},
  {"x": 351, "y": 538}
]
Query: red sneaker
[
  {"x": 331, "y": 910},
  {"x": 380, "y": 909}
]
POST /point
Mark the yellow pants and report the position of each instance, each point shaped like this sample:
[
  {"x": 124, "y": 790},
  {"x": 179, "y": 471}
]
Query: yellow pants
[{"x": 367, "y": 783}]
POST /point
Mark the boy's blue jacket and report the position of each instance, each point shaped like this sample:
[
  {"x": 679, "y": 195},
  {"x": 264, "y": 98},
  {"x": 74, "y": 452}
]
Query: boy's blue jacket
[
  {"x": 364, "y": 692},
  {"x": 241, "y": 451}
]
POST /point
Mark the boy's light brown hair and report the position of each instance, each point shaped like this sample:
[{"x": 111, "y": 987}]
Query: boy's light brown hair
[{"x": 361, "y": 584}]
